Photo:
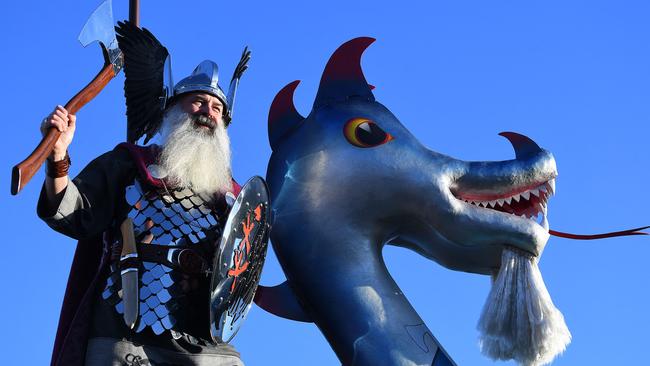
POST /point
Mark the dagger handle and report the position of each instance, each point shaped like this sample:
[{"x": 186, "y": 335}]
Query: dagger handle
[
  {"x": 128, "y": 237},
  {"x": 23, "y": 172}
]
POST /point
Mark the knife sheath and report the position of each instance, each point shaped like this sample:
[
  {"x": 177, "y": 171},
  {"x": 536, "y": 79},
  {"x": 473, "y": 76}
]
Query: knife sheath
[{"x": 129, "y": 264}]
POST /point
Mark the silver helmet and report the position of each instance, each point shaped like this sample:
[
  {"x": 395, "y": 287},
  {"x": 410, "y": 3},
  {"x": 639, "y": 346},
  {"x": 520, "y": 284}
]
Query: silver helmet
[{"x": 205, "y": 78}]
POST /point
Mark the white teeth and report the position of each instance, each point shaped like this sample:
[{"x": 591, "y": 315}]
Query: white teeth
[
  {"x": 493, "y": 203},
  {"x": 551, "y": 186},
  {"x": 542, "y": 188},
  {"x": 526, "y": 195},
  {"x": 508, "y": 200},
  {"x": 535, "y": 192},
  {"x": 501, "y": 201},
  {"x": 516, "y": 197}
]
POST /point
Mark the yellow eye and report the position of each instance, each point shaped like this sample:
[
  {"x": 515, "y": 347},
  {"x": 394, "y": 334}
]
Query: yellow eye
[{"x": 362, "y": 132}]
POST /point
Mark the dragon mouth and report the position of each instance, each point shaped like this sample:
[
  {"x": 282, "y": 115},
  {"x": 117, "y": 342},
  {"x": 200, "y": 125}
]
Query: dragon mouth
[{"x": 530, "y": 202}]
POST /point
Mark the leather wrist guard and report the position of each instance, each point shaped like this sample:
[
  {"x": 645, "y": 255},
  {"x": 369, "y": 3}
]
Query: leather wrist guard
[{"x": 58, "y": 169}]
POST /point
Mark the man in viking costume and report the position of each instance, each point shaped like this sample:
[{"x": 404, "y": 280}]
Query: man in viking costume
[{"x": 172, "y": 198}]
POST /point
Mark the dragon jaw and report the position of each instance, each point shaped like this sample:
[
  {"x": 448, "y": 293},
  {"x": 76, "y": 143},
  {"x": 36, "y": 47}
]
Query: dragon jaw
[{"x": 529, "y": 203}]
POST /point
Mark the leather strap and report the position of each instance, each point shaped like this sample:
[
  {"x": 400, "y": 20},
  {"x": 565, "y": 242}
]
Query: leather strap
[
  {"x": 188, "y": 260},
  {"x": 58, "y": 169}
]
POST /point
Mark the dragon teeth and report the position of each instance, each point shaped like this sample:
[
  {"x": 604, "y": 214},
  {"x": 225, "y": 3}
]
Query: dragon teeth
[
  {"x": 526, "y": 195},
  {"x": 551, "y": 186}
]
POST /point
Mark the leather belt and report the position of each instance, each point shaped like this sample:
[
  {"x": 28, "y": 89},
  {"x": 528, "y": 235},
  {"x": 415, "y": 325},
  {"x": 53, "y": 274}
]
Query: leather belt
[{"x": 188, "y": 260}]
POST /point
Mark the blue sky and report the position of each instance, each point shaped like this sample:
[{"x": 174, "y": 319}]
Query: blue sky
[{"x": 574, "y": 76}]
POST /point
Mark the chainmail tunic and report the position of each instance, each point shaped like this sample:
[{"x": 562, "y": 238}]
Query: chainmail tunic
[{"x": 177, "y": 218}]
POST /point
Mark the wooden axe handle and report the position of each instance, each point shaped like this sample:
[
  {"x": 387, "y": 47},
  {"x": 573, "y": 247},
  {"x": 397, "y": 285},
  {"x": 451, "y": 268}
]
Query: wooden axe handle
[{"x": 23, "y": 172}]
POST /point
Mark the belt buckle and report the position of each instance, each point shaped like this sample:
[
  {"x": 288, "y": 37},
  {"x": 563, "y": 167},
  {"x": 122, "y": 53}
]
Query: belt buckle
[{"x": 188, "y": 260}]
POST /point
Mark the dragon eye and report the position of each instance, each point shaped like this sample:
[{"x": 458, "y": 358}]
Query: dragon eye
[{"x": 362, "y": 132}]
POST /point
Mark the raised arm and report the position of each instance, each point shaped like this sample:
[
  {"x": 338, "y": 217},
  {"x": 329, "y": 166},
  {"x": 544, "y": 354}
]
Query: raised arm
[{"x": 56, "y": 177}]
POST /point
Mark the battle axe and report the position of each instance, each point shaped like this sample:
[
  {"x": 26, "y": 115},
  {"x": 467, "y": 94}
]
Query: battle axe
[{"x": 99, "y": 27}]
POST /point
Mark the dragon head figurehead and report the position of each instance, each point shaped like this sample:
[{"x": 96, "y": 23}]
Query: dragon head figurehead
[{"x": 350, "y": 178}]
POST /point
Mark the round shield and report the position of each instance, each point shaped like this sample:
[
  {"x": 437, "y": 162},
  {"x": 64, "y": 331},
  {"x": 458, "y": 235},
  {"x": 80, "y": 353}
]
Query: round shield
[{"x": 238, "y": 262}]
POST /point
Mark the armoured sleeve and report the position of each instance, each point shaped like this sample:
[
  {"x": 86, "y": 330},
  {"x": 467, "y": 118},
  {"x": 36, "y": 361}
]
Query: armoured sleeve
[{"x": 91, "y": 200}]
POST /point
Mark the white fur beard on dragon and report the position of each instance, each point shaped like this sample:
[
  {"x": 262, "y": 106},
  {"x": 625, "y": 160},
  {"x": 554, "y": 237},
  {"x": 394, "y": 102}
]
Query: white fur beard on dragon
[{"x": 519, "y": 320}]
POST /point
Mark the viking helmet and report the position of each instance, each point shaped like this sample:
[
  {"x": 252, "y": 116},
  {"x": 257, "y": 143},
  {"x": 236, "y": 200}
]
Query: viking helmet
[
  {"x": 148, "y": 85},
  {"x": 204, "y": 78}
]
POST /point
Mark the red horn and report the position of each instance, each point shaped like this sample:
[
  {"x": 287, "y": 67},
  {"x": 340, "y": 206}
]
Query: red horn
[
  {"x": 283, "y": 115},
  {"x": 343, "y": 77},
  {"x": 523, "y": 145}
]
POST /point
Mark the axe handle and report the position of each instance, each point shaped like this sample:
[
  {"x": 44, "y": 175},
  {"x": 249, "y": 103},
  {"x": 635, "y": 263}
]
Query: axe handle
[{"x": 23, "y": 172}]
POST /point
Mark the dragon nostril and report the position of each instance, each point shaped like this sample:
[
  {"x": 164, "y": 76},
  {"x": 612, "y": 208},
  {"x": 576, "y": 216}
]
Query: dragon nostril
[{"x": 524, "y": 146}]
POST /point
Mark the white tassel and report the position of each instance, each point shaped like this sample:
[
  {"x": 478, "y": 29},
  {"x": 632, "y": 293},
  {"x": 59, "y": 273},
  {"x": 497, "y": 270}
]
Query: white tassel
[{"x": 519, "y": 320}]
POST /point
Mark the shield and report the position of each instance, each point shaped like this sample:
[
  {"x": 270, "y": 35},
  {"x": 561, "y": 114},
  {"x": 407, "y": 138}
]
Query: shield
[{"x": 239, "y": 259}]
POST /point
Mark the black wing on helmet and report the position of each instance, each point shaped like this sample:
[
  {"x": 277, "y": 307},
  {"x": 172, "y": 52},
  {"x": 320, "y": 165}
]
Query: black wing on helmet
[{"x": 144, "y": 63}]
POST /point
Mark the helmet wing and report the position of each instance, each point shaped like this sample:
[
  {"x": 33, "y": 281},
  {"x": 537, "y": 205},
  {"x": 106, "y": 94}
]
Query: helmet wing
[
  {"x": 234, "y": 82},
  {"x": 144, "y": 89}
]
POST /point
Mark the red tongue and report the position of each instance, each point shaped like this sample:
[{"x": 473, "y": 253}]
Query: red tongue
[{"x": 613, "y": 234}]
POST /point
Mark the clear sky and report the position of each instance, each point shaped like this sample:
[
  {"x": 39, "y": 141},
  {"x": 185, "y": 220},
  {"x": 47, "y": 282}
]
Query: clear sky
[{"x": 572, "y": 75}]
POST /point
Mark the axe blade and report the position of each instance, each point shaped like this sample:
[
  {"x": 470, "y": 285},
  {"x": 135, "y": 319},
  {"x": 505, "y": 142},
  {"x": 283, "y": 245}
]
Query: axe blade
[{"x": 99, "y": 27}]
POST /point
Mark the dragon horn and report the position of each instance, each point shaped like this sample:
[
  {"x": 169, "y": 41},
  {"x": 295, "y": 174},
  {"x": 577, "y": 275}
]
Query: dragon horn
[
  {"x": 283, "y": 116},
  {"x": 524, "y": 146},
  {"x": 343, "y": 77}
]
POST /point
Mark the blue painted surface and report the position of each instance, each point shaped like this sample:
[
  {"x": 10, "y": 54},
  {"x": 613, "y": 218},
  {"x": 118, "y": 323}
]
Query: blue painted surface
[{"x": 572, "y": 76}]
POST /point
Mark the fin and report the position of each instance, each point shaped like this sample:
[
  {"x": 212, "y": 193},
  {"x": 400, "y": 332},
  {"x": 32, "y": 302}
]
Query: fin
[{"x": 281, "y": 301}]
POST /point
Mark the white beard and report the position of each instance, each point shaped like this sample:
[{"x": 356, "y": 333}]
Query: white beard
[{"x": 194, "y": 157}]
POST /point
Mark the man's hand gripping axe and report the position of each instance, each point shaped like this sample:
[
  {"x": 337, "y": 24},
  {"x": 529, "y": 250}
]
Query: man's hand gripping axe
[{"x": 99, "y": 27}]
